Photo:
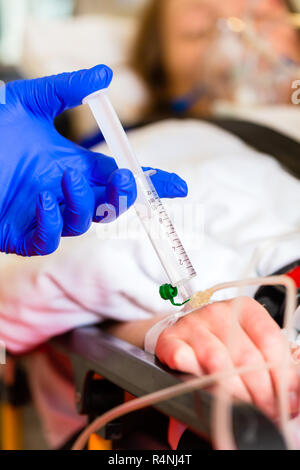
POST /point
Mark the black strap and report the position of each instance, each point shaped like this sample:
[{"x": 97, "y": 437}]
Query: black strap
[
  {"x": 262, "y": 138},
  {"x": 283, "y": 148},
  {"x": 273, "y": 297}
]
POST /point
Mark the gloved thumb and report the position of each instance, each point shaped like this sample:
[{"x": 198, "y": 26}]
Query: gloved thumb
[
  {"x": 55, "y": 94},
  {"x": 119, "y": 195}
]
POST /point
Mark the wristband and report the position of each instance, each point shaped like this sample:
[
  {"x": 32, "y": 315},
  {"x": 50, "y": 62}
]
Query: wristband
[{"x": 154, "y": 333}]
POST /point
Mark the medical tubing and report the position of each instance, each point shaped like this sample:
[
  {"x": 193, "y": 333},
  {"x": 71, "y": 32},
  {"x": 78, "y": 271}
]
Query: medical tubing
[
  {"x": 160, "y": 396},
  {"x": 197, "y": 383},
  {"x": 221, "y": 423}
]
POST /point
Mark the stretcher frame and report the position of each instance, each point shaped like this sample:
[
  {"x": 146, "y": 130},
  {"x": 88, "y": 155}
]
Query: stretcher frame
[{"x": 93, "y": 351}]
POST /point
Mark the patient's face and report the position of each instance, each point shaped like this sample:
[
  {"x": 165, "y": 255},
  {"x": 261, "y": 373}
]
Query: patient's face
[{"x": 189, "y": 26}]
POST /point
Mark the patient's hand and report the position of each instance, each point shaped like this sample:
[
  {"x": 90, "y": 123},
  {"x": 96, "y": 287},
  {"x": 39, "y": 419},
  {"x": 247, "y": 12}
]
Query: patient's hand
[{"x": 197, "y": 344}]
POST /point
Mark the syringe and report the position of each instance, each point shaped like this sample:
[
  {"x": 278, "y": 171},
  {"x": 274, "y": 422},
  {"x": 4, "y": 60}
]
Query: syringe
[{"x": 149, "y": 207}]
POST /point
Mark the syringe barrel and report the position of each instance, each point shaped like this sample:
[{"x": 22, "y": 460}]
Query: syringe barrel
[
  {"x": 148, "y": 205},
  {"x": 113, "y": 131}
]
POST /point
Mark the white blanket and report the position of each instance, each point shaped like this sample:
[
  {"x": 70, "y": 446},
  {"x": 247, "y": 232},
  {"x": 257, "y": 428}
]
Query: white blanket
[{"x": 240, "y": 199}]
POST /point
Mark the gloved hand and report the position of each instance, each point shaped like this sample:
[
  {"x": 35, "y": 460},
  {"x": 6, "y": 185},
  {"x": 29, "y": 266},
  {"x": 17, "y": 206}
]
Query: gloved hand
[{"x": 49, "y": 186}]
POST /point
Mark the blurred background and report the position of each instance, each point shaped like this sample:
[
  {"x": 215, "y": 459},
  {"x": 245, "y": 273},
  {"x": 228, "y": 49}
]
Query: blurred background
[
  {"x": 14, "y": 15},
  {"x": 197, "y": 59},
  {"x": 174, "y": 58}
]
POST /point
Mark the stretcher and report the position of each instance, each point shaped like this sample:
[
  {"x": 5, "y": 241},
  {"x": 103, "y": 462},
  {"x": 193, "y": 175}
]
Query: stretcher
[
  {"x": 108, "y": 371},
  {"x": 125, "y": 369}
]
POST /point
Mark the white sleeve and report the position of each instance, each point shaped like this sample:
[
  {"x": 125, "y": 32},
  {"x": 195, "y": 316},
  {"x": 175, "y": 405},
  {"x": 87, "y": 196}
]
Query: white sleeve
[{"x": 86, "y": 281}]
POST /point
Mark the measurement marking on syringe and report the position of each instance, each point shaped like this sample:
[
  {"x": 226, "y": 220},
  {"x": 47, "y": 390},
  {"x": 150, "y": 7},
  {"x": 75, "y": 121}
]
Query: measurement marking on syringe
[{"x": 166, "y": 223}]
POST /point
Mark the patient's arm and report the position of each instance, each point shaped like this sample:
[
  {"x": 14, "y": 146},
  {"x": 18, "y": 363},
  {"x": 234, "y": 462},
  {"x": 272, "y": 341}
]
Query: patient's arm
[
  {"x": 132, "y": 332},
  {"x": 197, "y": 344}
]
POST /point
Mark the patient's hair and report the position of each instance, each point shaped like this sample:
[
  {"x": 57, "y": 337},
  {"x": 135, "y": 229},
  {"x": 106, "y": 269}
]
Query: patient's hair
[
  {"x": 148, "y": 62},
  {"x": 147, "y": 58}
]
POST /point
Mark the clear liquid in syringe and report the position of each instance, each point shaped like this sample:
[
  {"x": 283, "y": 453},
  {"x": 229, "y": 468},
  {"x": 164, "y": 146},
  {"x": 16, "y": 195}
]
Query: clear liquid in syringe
[
  {"x": 148, "y": 206},
  {"x": 167, "y": 240}
]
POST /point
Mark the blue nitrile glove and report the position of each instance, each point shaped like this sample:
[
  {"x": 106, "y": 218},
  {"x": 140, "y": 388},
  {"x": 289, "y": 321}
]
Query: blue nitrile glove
[{"x": 49, "y": 186}]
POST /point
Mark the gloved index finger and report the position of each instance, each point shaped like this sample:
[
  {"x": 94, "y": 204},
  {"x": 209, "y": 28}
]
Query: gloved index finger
[
  {"x": 58, "y": 93},
  {"x": 168, "y": 185}
]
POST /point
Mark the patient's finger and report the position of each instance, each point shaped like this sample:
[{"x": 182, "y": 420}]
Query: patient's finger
[
  {"x": 177, "y": 355},
  {"x": 219, "y": 317},
  {"x": 258, "y": 383},
  {"x": 214, "y": 357},
  {"x": 268, "y": 338}
]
